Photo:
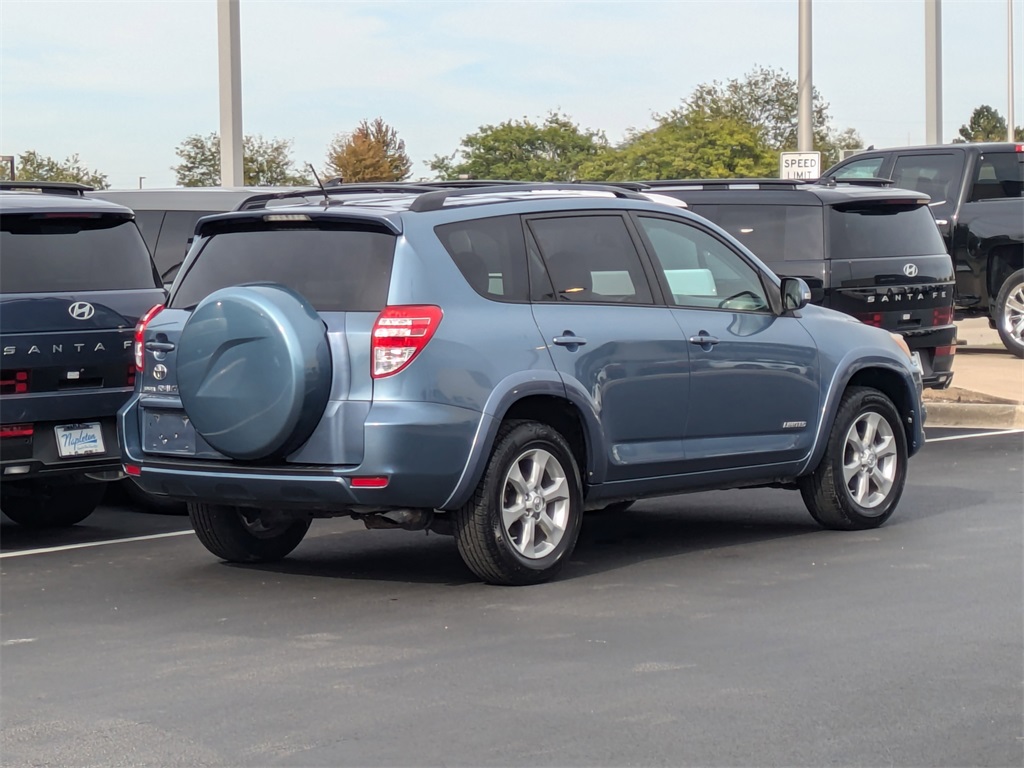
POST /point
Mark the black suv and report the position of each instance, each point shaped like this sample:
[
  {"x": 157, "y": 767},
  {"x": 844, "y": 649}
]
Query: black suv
[
  {"x": 868, "y": 250},
  {"x": 976, "y": 197},
  {"x": 75, "y": 279}
]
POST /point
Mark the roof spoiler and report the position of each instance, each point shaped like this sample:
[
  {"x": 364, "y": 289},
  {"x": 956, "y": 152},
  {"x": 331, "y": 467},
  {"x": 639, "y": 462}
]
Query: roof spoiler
[
  {"x": 47, "y": 187},
  {"x": 329, "y": 190}
]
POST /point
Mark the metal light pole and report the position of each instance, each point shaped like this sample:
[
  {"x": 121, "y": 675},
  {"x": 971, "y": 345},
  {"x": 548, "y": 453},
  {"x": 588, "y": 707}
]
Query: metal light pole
[
  {"x": 1009, "y": 70},
  {"x": 805, "y": 89},
  {"x": 933, "y": 71},
  {"x": 229, "y": 58}
]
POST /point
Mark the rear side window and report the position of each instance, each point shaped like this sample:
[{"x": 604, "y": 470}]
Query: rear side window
[
  {"x": 591, "y": 259},
  {"x": 54, "y": 253},
  {"x": 491, "y": 254},
  {"x": 346, "y": 270},
  {"x": 998, "y": 175},
  {"x": 774, "y": 232},
  {"x": 935, "y": 175},
  {"x": 882, "y": 230}
]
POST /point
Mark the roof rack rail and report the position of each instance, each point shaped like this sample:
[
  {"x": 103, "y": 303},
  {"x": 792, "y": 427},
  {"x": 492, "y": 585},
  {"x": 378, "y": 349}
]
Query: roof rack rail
[
  {"x": 435, "y": 200},
  {"x": 468, "y": 183},
  {"x": 260, "y": 200},
  {"x": 729, "y": 183},
  {"x": 633, "y": 186},
  {"x": 861, "y": 181},
  {"x": 48, "y": 187}
]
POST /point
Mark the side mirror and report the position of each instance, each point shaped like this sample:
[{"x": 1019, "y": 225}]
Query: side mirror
[{"x": 795, "y": 294}]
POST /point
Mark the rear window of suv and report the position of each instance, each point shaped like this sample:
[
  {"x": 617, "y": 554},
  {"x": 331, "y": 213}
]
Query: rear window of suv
[
  {"x": 57, "y": 252},
  {"x": 337, "y": 270},
  {"x": 773, "y": 232},
  {"x": 882, "y": 230}
]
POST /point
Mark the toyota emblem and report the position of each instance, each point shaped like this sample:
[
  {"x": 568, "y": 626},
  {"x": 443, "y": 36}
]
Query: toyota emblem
[
  {"x": 159, "y": 371},
  {"x": 81, "y": 310},
  {"x": 910, "y": 270}
]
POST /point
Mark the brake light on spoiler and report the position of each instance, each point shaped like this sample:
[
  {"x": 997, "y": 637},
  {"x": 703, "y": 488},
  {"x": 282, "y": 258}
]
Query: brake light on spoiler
[{"x": 399, "y": 334}]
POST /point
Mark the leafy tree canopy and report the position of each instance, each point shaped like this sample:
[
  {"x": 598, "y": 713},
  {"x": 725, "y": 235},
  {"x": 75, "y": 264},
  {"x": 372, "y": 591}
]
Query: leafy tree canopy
[
  {"x": 523, "y": 150},
  {"x": 372, "y": 152},
  {"x": 691, "y": 145},
  {"x": 986, "y": 124},
  {"x": 31, "y": 166},
  {"x": 266, "y": 162},
  {"x": 768, "y": 100}
]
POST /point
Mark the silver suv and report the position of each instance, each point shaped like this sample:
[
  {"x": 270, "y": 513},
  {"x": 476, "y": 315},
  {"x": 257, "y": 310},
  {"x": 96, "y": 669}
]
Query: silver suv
[{"x": 491, "y": 362}]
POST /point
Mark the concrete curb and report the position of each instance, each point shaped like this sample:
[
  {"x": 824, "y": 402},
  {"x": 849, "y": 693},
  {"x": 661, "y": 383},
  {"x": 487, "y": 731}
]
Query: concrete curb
[{"x": 981, "y": 415}]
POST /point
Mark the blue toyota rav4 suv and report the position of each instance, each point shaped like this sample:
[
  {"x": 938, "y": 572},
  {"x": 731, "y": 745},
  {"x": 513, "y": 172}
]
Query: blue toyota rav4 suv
[{"x": 492, "y": 362}]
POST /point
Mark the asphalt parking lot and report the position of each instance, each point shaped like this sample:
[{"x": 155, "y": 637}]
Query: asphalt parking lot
[{"x": 721, "y": 628}]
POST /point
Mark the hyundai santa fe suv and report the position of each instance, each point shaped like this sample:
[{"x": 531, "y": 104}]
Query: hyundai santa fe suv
[{"x": 492, "y": 362}]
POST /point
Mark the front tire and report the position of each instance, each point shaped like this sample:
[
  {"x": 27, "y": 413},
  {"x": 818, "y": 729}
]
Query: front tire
[
  {"x": 861, "y": 477},
  {"x": 38, "y": 504},
  {"x": 523, "y": 521},
  {"x": 1009, "y": 314},
  {"x": 245, "y": 535}
]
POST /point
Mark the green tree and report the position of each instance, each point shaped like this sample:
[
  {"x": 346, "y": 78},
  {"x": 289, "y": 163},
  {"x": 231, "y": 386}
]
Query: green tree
[
  {"x": 768, "y": 100},
  {"x": 692, "y": 145},
  {"x": 372, "y": 152},
  {"x": 266, "y": 162},
  {"x": 523, "y": 150},
  {"x": 986, "y": 124},
  {"x": 31, "y": 166}
]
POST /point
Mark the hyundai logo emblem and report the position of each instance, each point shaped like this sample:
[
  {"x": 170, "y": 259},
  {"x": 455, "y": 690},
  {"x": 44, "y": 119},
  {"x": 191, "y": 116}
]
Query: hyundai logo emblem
[
  {"x": 81, "y": 310},
  {"x": 910, "y": 270}
]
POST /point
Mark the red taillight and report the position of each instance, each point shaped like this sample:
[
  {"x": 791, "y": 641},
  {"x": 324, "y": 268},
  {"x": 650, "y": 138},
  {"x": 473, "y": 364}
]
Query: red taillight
[
  {"x": 369, "y": 482},
  {"x": 132, "y": 470},
  {"x": 131, "y": 374},
  {"x": 871, "y": 318},
  {"x": 942, "y": 316},
  {"x": 399, "y": 334},
  {"x": 945, "y": 351},
  {"x": 140, "y": 332},
  {"x": 14, "y": 382},
  {"x": 17, "y": 430},
  {"x": 1020, "y": 147}
]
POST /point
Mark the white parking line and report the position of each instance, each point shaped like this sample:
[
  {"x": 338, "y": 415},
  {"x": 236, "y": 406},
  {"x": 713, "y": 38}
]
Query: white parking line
[
  {"x": 975, "y": 434},
  {"x": 45, "y": 550}
]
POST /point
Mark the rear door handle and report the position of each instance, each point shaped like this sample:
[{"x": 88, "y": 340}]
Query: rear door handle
[
  {"x": 569, "y": 341},
  {"x": 704, "y": 340},
  {"x": 159, "y": 346}
]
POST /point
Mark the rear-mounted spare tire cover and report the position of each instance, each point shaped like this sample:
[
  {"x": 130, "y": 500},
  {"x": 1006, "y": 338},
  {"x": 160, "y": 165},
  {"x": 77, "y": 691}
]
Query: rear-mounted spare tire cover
[{"x": 254, "y": 370}]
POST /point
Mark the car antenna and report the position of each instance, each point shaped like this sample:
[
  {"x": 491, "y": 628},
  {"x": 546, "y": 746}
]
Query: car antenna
[{"x": 327, "y": 198}]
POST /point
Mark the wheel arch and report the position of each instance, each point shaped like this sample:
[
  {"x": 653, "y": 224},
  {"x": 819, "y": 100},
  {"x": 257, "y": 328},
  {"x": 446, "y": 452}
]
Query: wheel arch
[
  {"x": 539, "y": 397},
  {"x": 1003, "y": 261},
  {"x": 888, "y": 379}
]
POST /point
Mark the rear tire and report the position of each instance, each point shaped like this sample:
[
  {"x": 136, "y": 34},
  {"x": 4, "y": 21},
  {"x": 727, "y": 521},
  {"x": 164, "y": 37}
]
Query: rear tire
[
  {"x": 861, "y": 477},
  {"x": 1009, "y": 315},
  {"x": 523, "y": 521},
  {"x": 246, "y": 535},
  {"x": 40, "y": 504}
]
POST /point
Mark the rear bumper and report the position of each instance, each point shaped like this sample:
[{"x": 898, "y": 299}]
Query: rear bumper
[
  {"x": 421, "y": 448},
  {"x": 937, "y": 348},
  {"x": 29, "y": 456}
]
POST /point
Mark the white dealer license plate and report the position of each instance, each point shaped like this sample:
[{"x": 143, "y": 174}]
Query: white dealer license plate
[{"x": 79, "y": 439}]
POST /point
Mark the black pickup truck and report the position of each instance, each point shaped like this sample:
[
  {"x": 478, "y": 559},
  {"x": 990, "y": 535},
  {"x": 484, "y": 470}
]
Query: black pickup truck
[
  {"x": 978, "y": 205},
  {"x": 75, "y": 279}
]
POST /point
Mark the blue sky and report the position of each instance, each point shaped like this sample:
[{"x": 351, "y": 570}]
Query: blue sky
[{"x": 122, "y": 83}]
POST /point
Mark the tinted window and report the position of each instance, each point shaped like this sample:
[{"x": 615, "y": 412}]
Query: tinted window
[
  {"x": 879, "y": 231},
  {"x": 998, "y": 175},
  {"x": 592, "y": 259},
  {"x": 491, "y": 254},
  {"x": 937, "y": 176},
  {"x": 178, "y": 227},
  {"x": 869, "y": 167},
  {"x": 44, "y": 253},
  {"x": 335, "y": 269},
  {"x": 774, "y": 232},
  {"x": 702, "y": 271}
]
